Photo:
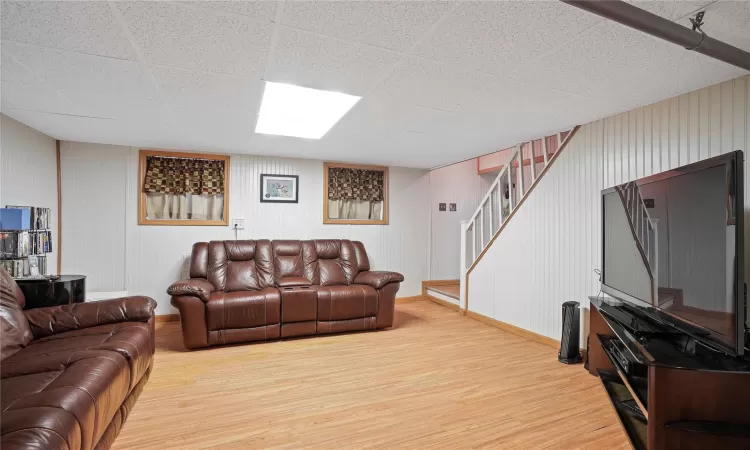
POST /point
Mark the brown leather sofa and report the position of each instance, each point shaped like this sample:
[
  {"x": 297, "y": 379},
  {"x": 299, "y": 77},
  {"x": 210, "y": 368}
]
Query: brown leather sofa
[
  {"x": 256, "y": 290},
  {"x": 71, "y": 374}
]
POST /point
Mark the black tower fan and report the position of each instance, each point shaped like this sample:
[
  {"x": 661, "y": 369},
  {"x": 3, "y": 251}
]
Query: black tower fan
[{"x": 569, "y": 348}]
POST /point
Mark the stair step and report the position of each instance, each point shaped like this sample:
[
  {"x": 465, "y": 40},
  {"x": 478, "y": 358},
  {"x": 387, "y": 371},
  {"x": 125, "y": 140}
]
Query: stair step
[{"x": 450, "y": 290}]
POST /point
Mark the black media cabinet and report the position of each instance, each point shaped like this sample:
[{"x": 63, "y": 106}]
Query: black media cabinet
[{"x": 668, "y": 390}]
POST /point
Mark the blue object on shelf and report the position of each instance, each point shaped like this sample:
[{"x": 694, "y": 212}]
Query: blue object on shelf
[{"x": 15, "y": 218}]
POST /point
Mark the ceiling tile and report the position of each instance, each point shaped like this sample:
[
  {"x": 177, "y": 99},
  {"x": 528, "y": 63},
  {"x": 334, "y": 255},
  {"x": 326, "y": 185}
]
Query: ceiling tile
[
  {"x": 86, "y": 27},
  {"x": 393, "y": 25},
  {"x": 493, "y": 36},
  {"x": 196, "y": 38},
  {"x": 35, "y": 98},
  {"x": 376, "y": 115},
  {"x": 76, "y": 71},
  {"x": 321, "y": 62},
  {"x": 431, "y": 84},
  {"x": 215, "y": 100},
  {"x": 605, "y": 53},
  {"x": 261, "y": 10}
]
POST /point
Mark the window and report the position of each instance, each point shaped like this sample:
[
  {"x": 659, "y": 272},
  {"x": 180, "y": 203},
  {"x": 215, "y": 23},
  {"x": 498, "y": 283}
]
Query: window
[
  {"x": 182, "y": 188},
  {"x": 355, "y": 194}
]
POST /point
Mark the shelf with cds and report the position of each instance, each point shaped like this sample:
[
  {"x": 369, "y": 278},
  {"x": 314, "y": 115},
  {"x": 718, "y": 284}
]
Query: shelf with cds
[{"x": 25, "y": 241}]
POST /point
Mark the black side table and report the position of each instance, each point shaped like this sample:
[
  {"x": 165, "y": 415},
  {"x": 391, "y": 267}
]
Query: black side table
[{"x": 41, "y": 293}]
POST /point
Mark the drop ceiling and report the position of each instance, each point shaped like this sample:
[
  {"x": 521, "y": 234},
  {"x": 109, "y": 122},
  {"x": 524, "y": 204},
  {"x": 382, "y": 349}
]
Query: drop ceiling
[{"x": 441, "y": 81}]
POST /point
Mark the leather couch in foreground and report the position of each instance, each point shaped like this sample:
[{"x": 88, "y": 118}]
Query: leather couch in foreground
[
  {"x": 72, "y": 373},
  {"x": 257, "y": 290}
]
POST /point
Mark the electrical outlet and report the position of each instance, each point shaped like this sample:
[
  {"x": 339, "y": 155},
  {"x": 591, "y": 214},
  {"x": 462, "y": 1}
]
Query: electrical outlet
[{"x": 238, "y": 223}]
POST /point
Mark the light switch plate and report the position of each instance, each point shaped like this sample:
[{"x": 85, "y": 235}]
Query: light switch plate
[{"x": 238, "y": 223}]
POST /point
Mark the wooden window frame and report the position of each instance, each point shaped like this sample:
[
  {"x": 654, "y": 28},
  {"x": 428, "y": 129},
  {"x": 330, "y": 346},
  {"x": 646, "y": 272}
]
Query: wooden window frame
[
  {"x": 143, "y": 154},
  {"x": 327, "y": 221}
]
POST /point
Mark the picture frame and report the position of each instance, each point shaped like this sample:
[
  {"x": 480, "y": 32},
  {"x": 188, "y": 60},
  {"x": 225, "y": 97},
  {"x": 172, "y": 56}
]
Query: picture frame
[{"x": 279, "y": 188}]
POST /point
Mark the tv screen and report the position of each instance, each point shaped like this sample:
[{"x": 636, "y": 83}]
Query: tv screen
[{"x": 674, "y": 241}]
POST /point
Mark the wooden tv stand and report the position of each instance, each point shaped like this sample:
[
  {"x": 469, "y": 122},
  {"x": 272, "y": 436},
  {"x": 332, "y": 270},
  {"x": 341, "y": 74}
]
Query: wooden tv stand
[{"x": 696, "y": 399}]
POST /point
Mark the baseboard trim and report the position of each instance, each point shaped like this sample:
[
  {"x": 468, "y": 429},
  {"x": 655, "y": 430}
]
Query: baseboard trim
[
  {"x": 167, "y": 318},
  {"x": 442, "y": 302},
  {"x": 536, "y": 337}
]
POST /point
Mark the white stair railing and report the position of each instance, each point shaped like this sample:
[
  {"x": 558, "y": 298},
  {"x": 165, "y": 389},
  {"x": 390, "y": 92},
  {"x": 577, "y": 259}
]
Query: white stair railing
[{"x": 504, "y": 195}]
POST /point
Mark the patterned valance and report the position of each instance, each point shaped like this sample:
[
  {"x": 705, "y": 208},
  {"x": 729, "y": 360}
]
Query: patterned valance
[
  {"x": 355, "y": 184},
  {"x": 184, "y": 176}
]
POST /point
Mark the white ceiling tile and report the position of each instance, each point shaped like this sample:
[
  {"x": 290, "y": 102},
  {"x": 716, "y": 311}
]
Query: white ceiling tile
[
  {"x": 388, "y": 24},
  {"x": 35, "y": 98},
  {"x": 196, "y": 38},
  {"x": 605, "y": 53},
  {"x": 322, "y": 62},
  {"x": 376, "y": 115},
  {"x": 493, "y": 36},
  {"x": 86, "y": 27},
  {"x": 261, "y": 10},
  {"x": 78, "y": 72},
  {"x": 431, "y": 84}
]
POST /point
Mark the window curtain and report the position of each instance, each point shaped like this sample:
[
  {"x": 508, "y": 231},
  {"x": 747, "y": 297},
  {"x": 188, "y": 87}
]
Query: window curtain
[
  {"x": 184, "y": 188},
  {"x": 355, "y": 193}
]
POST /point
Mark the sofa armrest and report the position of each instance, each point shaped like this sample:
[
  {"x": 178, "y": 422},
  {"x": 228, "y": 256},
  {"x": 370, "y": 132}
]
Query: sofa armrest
[
  {"x": 378, "y": 279},
  {"x": 75, "y": 316},
  {"x": 293, "y": 282},
  {"x": 195, "y": 287}
]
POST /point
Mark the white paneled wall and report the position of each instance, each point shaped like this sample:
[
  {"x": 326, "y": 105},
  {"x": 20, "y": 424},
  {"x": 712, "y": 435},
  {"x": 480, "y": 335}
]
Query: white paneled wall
[
  {"x": 117, "y": 254},
  {"x": 460, "y": 184},
  {"x": 93, "y": 213},
  {"x": 547, "y": 253},
  {"x": 28, "y": 173}
]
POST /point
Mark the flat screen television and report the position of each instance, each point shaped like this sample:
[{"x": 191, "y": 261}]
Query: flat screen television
[{"x": 673, "y": 243}]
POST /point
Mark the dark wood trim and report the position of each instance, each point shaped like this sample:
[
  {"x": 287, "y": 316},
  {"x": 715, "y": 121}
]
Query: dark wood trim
[{"x": 59, "y": 209}]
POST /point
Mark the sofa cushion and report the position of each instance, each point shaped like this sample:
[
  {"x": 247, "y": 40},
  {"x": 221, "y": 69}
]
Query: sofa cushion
[
  {"x": 346, "y": 302},
  {"x": 287, "y": 259},
  {"x": 16, "y": 333},
  {"x": 76, "y": 402},
  {"x": 240, "y": 265},
  {"x": 243, "y": 309},
  {"x": 337, "y": 262},
  {"x": 131, "y": 340}
]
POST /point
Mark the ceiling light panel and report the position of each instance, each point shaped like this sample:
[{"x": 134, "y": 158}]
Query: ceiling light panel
[{"x": 289, "y": 110}]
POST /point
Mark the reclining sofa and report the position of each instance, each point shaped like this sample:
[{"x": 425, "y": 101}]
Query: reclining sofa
[
  {"x": 254, "y": 290},
  {"x": 72, "y": 373}
]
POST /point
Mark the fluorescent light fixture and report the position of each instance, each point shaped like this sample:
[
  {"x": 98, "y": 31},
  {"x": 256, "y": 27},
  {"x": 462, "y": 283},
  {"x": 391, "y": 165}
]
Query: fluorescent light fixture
[{"x": 289, "y": 110}]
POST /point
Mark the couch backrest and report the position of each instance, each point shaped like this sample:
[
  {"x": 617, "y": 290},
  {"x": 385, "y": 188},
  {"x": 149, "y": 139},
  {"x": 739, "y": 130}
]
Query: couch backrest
[
  {"x": 337, "y": 263},
  {"x": 253, "y": 265},
  {"x": 239, "y": 265},
  {"x": 287, "y": 259},
  {"x": 14, "y": 327}
]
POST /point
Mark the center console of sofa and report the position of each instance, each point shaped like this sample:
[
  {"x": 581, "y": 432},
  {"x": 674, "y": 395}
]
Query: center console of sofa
[
  {"x": 252, "y": 290},
  {"x": 668, "y": 390}
]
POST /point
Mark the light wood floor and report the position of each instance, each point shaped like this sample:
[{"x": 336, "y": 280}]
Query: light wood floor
[{"x": 436, "y": 380}]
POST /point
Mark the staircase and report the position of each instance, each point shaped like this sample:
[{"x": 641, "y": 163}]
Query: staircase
[{"x": 528, "y": 162}]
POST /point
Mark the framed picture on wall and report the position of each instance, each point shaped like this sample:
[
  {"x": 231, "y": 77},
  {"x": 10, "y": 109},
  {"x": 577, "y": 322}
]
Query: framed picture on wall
[{"x": 279, "y": 188}]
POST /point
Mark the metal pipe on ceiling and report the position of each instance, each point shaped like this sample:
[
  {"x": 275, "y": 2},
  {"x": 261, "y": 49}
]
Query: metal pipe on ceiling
[{"x": 634, "y": 17}]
